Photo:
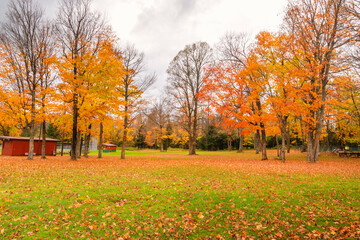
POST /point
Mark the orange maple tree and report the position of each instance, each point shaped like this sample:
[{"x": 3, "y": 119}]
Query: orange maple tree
[
  {"x": 225, "y": 92},
  {"x": 283, "y": 89}
]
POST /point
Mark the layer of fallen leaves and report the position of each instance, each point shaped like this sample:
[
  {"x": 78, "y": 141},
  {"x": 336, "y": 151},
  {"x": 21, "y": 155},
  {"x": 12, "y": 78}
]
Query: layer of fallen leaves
[{"x": 179, "y": 197}]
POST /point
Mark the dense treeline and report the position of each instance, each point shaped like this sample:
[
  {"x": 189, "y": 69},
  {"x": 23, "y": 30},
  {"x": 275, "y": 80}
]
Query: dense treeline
[{"x": 295, "y": 87}]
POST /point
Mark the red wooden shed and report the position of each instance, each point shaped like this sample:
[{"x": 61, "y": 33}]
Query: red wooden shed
[
  {"x": 19, "y": 146},
  {"x": 108, "y": 147}
]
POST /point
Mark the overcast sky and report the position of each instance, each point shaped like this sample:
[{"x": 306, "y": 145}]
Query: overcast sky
[{"x": 161, "y": 28}]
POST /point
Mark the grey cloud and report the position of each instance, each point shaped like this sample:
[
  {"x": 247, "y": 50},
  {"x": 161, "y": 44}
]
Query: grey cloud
[
  {"x": 185, "y": 6},
  {"x": 164, "y": 29},
  {"x": 172, "y": 13}
]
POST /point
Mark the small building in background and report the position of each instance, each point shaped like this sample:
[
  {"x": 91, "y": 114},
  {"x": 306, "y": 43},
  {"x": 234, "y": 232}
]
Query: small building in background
[
  {"x": 19, "y": 146},
  {"x": 108, "y": 147}
]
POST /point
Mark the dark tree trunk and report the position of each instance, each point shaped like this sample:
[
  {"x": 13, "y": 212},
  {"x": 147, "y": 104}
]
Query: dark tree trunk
[
  {"x": 283, "y": 142},
  {"x": 43, "y": 146},
  {"x": 32, "y": 128},
  {"x": 284, "y": 137},
  {"x": 161, "y": 145},
  {"x": 192, "y": 151},
  {"x": 62, "y": 147},
  {"x": 229, "y": 143},
  {"x": 86, "y": 146},
  {"x": 100, "y": 141},
  {"x": 78, "y": 145},
  {"x": 313, "y": 148},
  {"x": 192, "y": 147},
  {"x": 277, "y": 146},
  {"x": 87, "y": 142},
  {"x": 81, "y": 146},
  {"x": 39, "y": 140},
  {"x": 241, "y": 143},
  {"x": 283, "y": 148},
  {"x": 314, "y": 136},
  {"x": 191, "y": 132},
  {"x": 257, "y": 141},
  {"x": 74, "y": 129},
  {"x": 161, "y": 140},
  {"x": 288, "y": 138},
  {"x": 123, "y": 145},
  {"x": 310, "y": 147},
  {"x": 263, "y": 143}
]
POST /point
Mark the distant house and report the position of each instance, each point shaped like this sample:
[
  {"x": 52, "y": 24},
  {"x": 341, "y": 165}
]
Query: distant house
[
  {"x": 108, "y": 147},
  {"x": 19, "y": 146}
]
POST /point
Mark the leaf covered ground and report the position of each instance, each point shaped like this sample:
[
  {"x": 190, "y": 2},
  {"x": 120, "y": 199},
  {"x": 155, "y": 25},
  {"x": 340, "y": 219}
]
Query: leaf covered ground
[{"x": 174, "y": 196}]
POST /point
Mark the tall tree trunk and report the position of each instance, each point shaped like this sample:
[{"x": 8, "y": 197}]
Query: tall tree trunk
[
  {"x": 229, "y": 143},
  {"x": 32, "y": 128},
  {"x": 190, "y": 132},
  {"x": 288, "y": 138},
  {"x": 191, "y": 146},
  {"x": 161, "y": 140},
  {"x": 81, "y": 146},
  {"x": 87, "y": 142},
  {"x": 257, "y": 141},
  {"x": 241, "y": 143},
  {"x": 314, "y": 145},
  {"x": 263, "y": 133},
  {"x": 191, "y": 140},
  {"x": 74, "y": 128},
  {"x": 193, "y": 151},
  {"x": 313, "y": 148},
  {"x": 37, "y": 152},
  {"x": 283, "y": 148},
  {"x": 283, "y": 138},
  {"x": 78, "y": 145},
  {"x": 123, "y": 145},
  {"x": 263, "y": 142},
  {"x": 86, "y": 146},
  {"x": 43, "y": 146},
  {"x": 100, "y": 141},
  {"x": 161, "y": 145},
  {"x": 310, "y": 147},
  {"x": 62, "y": 147},
  {"x": 194, "y": 132},
  {"x": 277, "y": 146},
  {"x": 314, "y": 136}
]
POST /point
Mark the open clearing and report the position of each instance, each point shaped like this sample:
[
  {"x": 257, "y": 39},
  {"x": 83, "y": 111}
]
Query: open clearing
[{"x": 175, "y": 196}]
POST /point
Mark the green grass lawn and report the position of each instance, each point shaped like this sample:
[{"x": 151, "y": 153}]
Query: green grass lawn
[
  {"x": 132, "y": 152},
  {"x": 172, "y": 196},
  {"x": 176, "y": 151}
]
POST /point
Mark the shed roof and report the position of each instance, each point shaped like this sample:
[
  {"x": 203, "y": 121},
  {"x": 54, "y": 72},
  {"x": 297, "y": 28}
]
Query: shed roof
[
  {"x": 109, "y": 145},
  {"x": 27, "y": 139}
]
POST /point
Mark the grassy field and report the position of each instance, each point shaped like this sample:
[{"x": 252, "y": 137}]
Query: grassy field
[{"x": 217, "y": 195}]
